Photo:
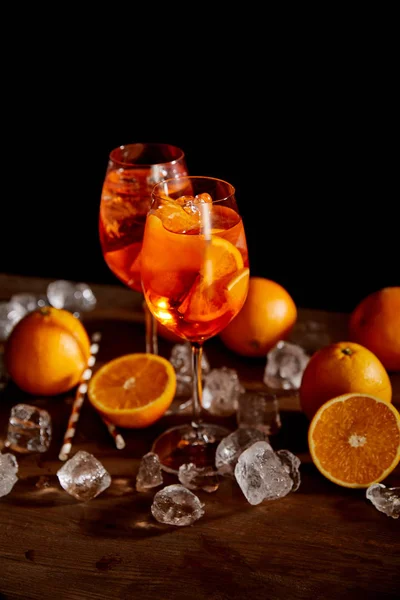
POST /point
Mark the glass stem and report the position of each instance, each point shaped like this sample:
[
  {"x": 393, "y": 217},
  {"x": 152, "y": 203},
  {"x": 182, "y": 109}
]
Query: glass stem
[
  {"x": 151, "y": 331},
  {"x": 197, "y": 353}
]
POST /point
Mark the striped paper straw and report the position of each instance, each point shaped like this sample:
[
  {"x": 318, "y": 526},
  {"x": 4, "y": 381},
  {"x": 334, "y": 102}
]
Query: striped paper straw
[
  {"x": 78, "y": 402},
  {"x": 118, "y": 439}
]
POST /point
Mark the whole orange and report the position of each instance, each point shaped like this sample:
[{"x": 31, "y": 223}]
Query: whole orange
[
  {"x": 268, "y": 315},
  {"x": 342, "y": 368},
  {"x": 47, "y": 352},
  {"x": 375, "y": 323}
]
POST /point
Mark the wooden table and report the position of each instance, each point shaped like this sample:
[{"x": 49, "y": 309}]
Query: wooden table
[{"x": 321, "y": 542}]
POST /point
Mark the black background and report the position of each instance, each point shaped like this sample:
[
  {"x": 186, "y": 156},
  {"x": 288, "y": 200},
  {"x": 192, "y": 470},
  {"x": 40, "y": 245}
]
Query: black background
[{"x": 312, "y": 153}]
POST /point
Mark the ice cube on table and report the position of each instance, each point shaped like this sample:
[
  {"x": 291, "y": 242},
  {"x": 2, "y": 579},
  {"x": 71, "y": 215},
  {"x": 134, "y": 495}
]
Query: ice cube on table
[
  {"x": 291, "y": 464},
  {"x": 176, "y": 505},
  {"x": 8, "y": 473},
  {"x": 29, "y": 429},
  {"x": 149, "y": 474},
  {"x": 261, "y": 474},
  {"x": 74, "y": 297},
  {"x": 29, "y": 302},
  {"x": 285, "y": 366},
  {"x": 259, "y": 410},
  {"x": 310, "y": 335},
  {"x": 198, "y": 478},
  {"x": 230, "y": 448},
  {"x": 181, "y": 360},
  {"x": 10, "y": 313},
  {"x": 386, "y": 500},
  {"x": 221, "y": 391},
  {"x": 83, "y": 476}
]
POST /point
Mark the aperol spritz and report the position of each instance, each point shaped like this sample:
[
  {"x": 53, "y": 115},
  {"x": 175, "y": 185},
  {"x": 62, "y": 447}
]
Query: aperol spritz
[
  {"x": 132, "y": 172},
  {"x": 195, "y": 276}
]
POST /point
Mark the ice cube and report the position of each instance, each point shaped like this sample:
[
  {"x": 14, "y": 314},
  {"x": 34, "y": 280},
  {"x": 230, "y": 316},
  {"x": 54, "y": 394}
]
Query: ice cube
[
  {"x": 176, "y": 505},
  {"x": 221, "y": 391},
  {"x": 386, "y": 500},
  {"x": 75, "y": 297},
  {"x": 198, "y": 478},
  {"x": 8, "y": 473},
  {"x": 181, "y": 360},
  {"x": 29, "y": 302},
  {"x": 83, "y": 476},
  {"x": 149, "y": 474},
  {"x": 10, "y": 313},
  {"x": 259, "y": 410},
  {"x": 291, "y": 463},
  {"x": 261, "y": 474},
  {"x": 185, "y": 199},
  {"x": 285, "y": 366},
  {"x": 203, "y": 198},
  {"x": 29, "y": 429},
  {"x": 310, "y": 335},
  {"x": 230, "y": 448}
]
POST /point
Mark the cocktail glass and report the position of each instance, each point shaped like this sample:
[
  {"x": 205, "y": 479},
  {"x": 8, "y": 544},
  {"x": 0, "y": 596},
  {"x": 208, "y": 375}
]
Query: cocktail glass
[
  {"x": 195, "y": 276},
  {"x": 132, "y": 172}
]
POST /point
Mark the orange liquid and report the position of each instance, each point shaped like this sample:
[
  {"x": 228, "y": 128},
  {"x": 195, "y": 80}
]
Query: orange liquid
[
  {"x": 125, "y": 201},
  {"x": 194, "y": 282}
]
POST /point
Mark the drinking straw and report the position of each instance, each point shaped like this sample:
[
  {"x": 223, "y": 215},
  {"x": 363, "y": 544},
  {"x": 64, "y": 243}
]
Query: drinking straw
[
  {"x": 113, "y": 431},
  {"x": 78, "y": 402}
]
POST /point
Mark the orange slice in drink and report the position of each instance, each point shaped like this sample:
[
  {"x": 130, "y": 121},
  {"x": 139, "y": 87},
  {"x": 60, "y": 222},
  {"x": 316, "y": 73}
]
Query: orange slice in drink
[
  {"x": 221, "y": 258},
  {"x": 209, "y": 297},
  {"x": 354, "y": 439},
  {"x": 237, "y": 288},
  {"x": 133, "y": 390}
]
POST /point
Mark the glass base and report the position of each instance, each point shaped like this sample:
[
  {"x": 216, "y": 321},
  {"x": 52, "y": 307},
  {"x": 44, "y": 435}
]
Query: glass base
[{"x": 185, "y": 444}]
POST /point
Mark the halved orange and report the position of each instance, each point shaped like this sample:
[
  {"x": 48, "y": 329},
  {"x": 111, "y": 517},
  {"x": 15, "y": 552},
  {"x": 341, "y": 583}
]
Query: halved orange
[
  {"x": 133, "y": 390},
  {"x": 354, "y": 439}
]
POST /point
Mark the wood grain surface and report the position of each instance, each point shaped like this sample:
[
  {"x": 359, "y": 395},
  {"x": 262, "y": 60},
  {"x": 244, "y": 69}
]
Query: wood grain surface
[{"x": 321, "y": 542}]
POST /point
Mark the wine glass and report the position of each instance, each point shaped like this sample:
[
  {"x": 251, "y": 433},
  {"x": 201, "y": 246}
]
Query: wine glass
[
  {"x": 131, "y": 174},
  {"x": 195, "y": 277}
]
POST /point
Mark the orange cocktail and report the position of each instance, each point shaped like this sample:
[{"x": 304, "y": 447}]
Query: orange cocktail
[
  {"x": 132, "y": 172},
  {"x": 195, "y": 277},
  {"x": 194, "y": 266}
]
